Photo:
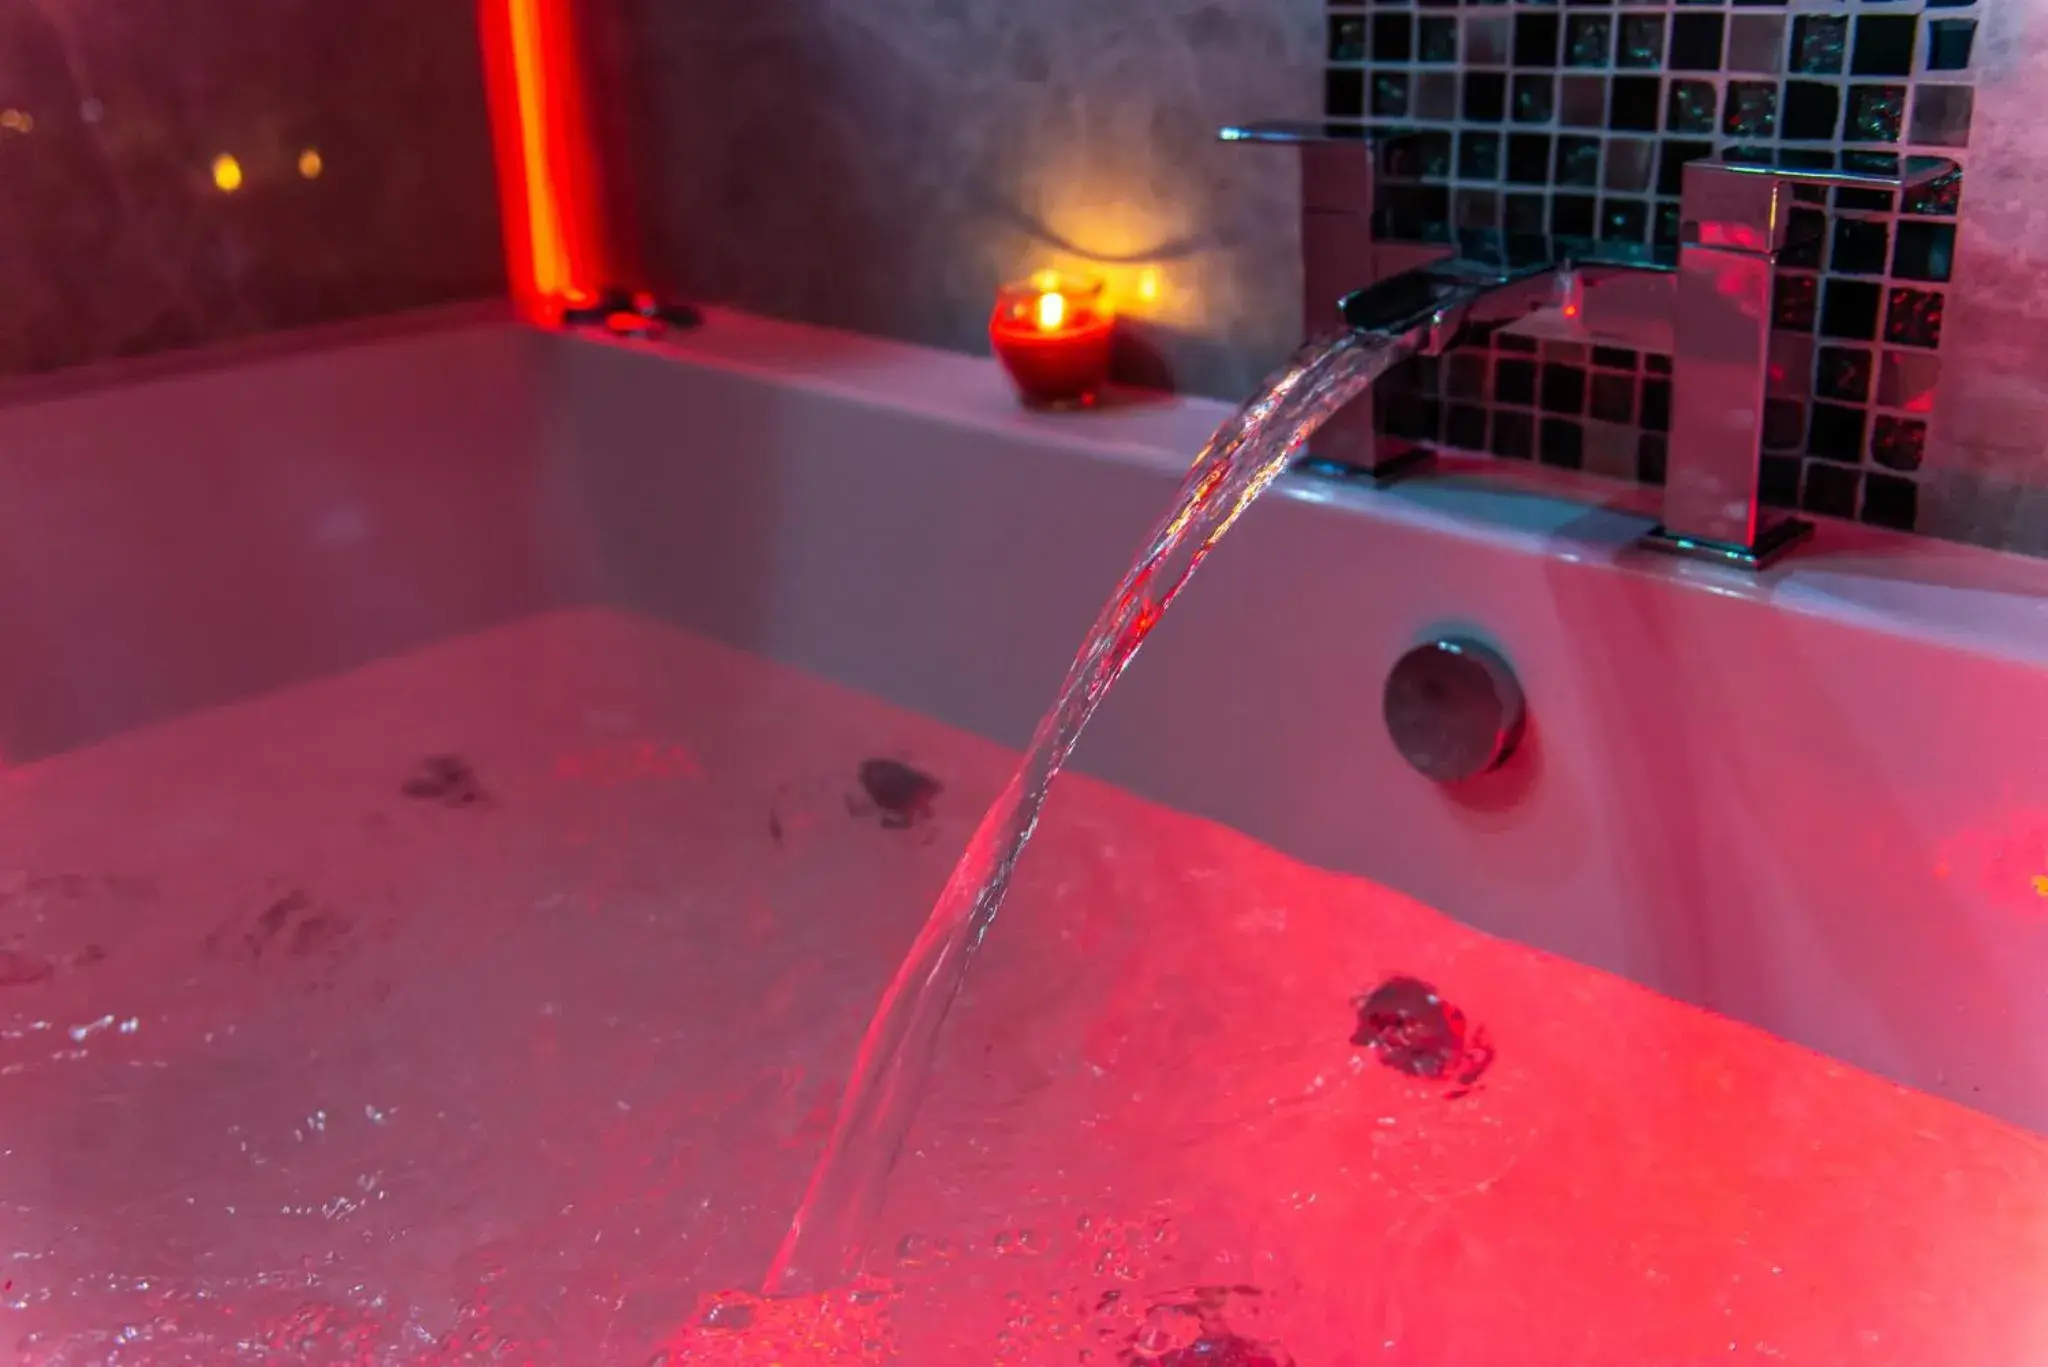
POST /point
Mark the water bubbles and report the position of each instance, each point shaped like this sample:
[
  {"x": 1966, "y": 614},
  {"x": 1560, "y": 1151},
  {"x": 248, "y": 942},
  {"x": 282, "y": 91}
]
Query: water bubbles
[
  {"x": 82, "y": 1033},
  {"x": 849, "y": 1326},
  {"x": 1017, "y": 1243},
  {"x": 919, "y": 1250},
  {"x": 1167, "y": 1328},
  {"x": 728, "y": 1316}
]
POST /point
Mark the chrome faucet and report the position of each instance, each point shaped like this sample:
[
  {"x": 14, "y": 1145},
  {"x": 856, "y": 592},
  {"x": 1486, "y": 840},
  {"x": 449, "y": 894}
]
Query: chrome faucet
[{"x": 1710, "y": 309}]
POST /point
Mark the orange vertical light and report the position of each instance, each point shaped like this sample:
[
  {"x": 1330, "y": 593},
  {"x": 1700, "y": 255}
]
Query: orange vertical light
[{"x": 546, "y": 180}]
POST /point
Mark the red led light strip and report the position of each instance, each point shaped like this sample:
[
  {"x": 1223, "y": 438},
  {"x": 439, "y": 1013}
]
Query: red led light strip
[{"x": 546, "y": 176}]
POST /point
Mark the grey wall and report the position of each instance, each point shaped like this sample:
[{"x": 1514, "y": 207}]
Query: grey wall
[
  {"x": 1989, "y": 476},
  {"x": 884, "y": 165},
  {"x": 114, "y": 240}
]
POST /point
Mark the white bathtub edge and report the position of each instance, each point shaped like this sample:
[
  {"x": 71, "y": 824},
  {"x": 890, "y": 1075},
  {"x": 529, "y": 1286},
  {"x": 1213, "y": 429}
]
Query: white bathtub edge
[{"x": 1955, "y": 596}]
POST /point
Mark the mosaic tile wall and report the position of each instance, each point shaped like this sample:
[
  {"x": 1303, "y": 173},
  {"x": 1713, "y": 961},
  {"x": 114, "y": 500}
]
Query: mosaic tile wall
[{"x": 1574, "y": 121}]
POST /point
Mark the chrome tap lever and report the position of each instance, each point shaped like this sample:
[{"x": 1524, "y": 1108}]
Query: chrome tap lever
[{"x": 1734, "y": 216}]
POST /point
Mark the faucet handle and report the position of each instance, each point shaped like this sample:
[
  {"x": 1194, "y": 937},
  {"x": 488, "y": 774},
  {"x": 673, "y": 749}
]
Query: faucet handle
[
  {"x": 1743, "y": 203},
  {"x": 1295, "y": 132},
  {"x": 1337, "y": 159},
  {"x": 1734, "y": 216},
  {"x": 1848, "y": 170}
]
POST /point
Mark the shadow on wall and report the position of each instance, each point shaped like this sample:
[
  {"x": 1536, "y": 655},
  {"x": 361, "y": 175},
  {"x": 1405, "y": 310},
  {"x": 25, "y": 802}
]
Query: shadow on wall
[{"x": 883, "y": 167}]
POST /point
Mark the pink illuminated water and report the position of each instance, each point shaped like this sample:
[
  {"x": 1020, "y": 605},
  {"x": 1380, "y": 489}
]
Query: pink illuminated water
[
  {"x": 325, "y": 1073},
  {"x": 495, "y": 1004},
  {"x": 1245, "y": 455}
]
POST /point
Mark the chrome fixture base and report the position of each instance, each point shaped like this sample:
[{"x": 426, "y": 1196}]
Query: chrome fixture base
[
  {"x": 1776, "y": 539},
  {"x": 1386, "y": 472}
]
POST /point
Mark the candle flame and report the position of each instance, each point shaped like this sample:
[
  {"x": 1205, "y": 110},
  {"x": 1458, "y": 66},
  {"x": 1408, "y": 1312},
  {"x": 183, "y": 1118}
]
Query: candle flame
[{"x": 1052, "y": 311}]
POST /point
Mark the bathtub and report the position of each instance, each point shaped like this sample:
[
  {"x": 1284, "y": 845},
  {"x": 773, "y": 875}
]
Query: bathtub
[{"x": 440, "y": 905}]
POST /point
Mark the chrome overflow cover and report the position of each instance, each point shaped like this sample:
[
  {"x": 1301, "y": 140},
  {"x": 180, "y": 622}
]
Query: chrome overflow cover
[{"x": 1454, "y": 709}]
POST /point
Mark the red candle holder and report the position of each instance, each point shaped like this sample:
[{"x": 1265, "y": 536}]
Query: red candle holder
[{"x": 1052, "y": 334}]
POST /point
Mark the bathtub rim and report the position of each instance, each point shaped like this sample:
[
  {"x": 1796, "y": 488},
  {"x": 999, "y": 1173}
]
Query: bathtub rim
[{"x": 1950, "y": 595}]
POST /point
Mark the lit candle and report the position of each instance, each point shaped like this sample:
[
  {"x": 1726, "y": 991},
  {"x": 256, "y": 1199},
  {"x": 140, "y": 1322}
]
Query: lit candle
[{"x": 1052, "y": 334}]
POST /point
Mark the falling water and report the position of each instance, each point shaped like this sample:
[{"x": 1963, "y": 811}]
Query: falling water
[{"x": 1248, "y": 451}]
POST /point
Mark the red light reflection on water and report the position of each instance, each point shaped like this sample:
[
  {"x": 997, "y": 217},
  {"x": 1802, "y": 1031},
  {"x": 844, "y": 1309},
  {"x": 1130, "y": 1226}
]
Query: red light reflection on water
[
  {"x": 1638, "y": 1181},
  {"x": 624, "y": 762}
]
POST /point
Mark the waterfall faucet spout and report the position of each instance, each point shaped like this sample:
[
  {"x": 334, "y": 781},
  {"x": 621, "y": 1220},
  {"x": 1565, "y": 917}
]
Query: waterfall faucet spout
[{"x": 1434, "y": 307}]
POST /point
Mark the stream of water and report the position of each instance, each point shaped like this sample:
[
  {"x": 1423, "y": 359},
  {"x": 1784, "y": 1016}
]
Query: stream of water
[{"x": 1245, "y": 455}]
